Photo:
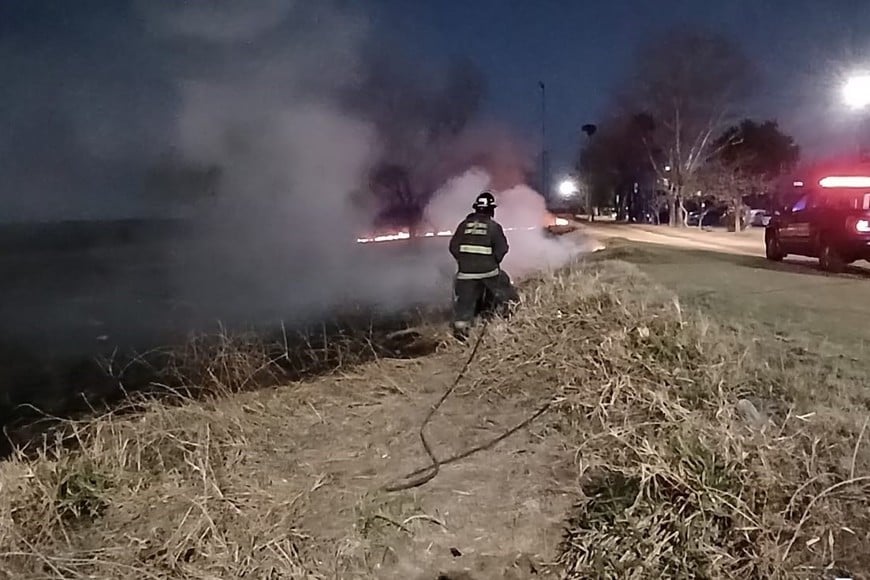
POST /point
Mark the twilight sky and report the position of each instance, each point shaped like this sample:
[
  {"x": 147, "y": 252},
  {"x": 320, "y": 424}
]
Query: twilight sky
[
  {"x": 580, "y": 49},
  {"x": 88, "y": 89}
]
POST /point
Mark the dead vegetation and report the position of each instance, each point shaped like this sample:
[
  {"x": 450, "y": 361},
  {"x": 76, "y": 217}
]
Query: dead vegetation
[
  {"x": 205, "y": 365},
  {"x": 692, "y": 450},
  {"x": 700, "y": 451}
]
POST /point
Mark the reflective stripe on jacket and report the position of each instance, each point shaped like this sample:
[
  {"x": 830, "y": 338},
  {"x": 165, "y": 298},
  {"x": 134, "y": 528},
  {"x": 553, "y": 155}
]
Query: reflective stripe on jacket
[{"x": 481, "y": 276}]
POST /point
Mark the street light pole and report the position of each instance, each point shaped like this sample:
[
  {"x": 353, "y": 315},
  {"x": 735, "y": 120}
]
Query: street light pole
[
  {"x": 545, "y": 182},
  {"x": 589, "y": 129}
]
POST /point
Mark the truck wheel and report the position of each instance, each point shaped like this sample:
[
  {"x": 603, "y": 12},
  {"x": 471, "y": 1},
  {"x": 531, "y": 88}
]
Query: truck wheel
[
  {"x": 830, "y": 259},
  {"x": 772, "y": 248}
]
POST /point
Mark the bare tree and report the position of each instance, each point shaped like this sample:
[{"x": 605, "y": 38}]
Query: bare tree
[
  {"x": 687, "y": 88},
  {"x": 417, "y": 114},
  {"x": 747, "y": 159},
  {"x": 724, "y": 183}
]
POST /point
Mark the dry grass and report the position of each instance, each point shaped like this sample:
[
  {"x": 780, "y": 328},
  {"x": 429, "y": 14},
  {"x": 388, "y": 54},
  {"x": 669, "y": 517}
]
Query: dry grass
[
  {"x": 167, "y": 484},
  {"x": 206, "y": 365},
  {"x": 697, "y": 452},
  {"x": 163, "y": 495},
  {"x": 701, "y": 452},
  {"x": 228, "y": 362}
]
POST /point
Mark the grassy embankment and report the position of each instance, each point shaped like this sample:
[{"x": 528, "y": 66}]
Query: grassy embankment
[{"x": 679, "y": 444}]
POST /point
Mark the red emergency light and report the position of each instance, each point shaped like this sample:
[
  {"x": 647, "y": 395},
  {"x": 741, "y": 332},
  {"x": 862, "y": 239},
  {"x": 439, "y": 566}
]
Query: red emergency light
[{"x": 845, "y": 181}]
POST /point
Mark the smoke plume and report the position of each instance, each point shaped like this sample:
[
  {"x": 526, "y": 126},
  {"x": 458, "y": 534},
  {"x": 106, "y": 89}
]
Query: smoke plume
[
  {"x": 295, "y": 143},
  {"x": 279, "y": 131},
  {"x": 280, "y": 236},
  {"x": 521, "y": 211}
]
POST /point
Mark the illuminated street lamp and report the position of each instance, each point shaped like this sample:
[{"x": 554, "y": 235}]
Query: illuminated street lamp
[
  {"x": 856, "y": 91},
  {"x": 856, "y": 95},
  {"x": 568, "y": 187}
]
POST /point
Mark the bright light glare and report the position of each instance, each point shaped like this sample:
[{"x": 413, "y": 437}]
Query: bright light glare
[
  {"x": 856, "y": 91},
  {"x": 404, "y": 235},
  {"x": 393, "y": 237},
  {"x": 385, "y": 238},
  {"x": 845, "y": 181},
  {"x": 798, "y": 184},
  {"x": 863, "y": 226},
  {"x": 567, "y": 187}
]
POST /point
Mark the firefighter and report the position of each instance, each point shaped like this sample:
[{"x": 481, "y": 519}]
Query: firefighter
[{"x": 479, "y": 245}]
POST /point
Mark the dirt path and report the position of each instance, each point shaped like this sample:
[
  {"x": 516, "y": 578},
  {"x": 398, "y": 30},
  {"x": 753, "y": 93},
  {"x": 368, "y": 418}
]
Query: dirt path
[{"x": 497, "y": 514}]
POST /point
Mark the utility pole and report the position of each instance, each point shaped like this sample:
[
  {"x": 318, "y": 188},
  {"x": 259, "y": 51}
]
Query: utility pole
[
  {"x": 589, "y": 129},
  {"x": 545, "y": 181}
]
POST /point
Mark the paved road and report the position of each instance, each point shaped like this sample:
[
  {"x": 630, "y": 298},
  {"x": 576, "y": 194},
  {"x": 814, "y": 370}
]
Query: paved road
[{"x": 748, "y": 243}]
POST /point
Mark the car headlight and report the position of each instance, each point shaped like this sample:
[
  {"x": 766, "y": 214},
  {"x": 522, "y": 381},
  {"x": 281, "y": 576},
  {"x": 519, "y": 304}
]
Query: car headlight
[
  {"x": 561, "y": 221},
  {"x": 863, "y": 226}
]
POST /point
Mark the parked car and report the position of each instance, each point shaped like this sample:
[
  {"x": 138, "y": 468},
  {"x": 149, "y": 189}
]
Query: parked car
[
  {"x": 759, "y": 218},
  {"x": 711, "y": 218},
  {"x": 830, "y": 221}
]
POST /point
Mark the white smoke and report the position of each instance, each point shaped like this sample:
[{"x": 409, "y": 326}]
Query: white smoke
[
  {"x": 532, "y": 251},
  {"x": 452, "y": 202},
  {"x": 280, "y": 236},
  {"x": 521, "y": 211},
  {"x": 282, "y": 107},
  {"x": 215, "y": 20}
]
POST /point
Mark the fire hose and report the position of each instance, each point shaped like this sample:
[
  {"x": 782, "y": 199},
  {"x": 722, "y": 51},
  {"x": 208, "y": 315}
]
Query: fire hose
[{"x": 426, "y": 474}]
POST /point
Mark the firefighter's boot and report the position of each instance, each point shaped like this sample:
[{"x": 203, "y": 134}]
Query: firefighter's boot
[{"x": 461, "y": 330}]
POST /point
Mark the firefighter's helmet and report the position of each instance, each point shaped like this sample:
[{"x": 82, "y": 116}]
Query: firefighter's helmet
[{"x": 484, "y": 202}]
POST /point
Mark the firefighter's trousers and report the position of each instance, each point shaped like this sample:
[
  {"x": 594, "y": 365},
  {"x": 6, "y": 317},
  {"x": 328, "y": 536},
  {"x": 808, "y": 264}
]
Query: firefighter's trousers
[{"x": 472, "y": 298}]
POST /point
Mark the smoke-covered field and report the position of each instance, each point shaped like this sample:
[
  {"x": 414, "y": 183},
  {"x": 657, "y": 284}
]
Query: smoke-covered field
[
  {"x": 152, "y": 284},
  {"x": 280, "y": 131},
  {"x": 276, "y": 132},
  {"x": 72, "y": 316}
]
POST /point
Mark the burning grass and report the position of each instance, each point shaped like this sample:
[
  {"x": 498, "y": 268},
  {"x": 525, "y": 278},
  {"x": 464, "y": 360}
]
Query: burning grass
[{"x": 696, "y": 451}]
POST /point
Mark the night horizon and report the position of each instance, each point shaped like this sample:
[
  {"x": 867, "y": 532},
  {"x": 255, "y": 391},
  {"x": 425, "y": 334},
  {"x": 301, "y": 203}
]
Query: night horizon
[{"x": 101, "y": 80}]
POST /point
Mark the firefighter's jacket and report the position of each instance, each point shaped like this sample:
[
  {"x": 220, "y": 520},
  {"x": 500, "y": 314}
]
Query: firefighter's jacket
[{"x": 478, "y": 245}]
